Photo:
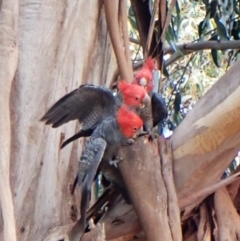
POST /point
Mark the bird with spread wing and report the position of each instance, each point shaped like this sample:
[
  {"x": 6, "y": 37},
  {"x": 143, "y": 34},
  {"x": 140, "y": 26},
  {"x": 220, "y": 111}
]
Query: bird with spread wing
[{"x": 109, "y": 119}]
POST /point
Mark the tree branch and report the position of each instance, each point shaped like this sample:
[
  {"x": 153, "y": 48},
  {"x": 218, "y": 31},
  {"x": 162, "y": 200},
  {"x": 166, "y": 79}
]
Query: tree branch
[
  {"x": 208, "y": 139},
  {"x": 151, "y": 28},
  {"x": 124, "y": 17},
  {"x": 143, "y": 19},
  {"x": 220, "y": 45},
  {"x": 141, "y": 172},
  {"x": 192, "y": 47},
  {"x": 111, "y": 12},
  {"x": 227, "y": 217}
]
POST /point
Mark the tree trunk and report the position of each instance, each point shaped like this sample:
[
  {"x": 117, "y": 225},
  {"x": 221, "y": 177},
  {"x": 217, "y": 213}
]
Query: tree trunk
[
  {"x": 8, "y": 65},
  {"x": 47, "y": 49}
]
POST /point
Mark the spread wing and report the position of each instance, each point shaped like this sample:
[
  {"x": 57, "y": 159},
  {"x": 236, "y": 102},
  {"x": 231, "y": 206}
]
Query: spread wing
[
  {"x": 159, "y": 109},
  {"x": 89, "y": 104},
  {"x": 78, "y": 229}
]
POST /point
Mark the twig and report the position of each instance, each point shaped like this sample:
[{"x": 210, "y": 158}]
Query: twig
[
  {"x": 168, "y": 20},
  {"x": 180, "y": 79}
]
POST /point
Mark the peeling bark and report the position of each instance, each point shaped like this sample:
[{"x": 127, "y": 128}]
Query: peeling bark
[{"x": 204, "y": 228}]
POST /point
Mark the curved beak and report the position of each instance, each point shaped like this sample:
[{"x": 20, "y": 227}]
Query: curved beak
[
  {"x": 143, "y": 82},
  {"x": 146, "y": 101},
  {"x": 140, "y": 132}
]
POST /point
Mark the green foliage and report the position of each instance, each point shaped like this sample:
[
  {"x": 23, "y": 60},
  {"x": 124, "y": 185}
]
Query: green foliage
[{"x": 191, "y": 75}]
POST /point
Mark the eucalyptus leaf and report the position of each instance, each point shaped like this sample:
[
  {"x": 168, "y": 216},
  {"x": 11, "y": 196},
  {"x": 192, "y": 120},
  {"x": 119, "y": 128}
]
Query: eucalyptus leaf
[
  {"x": 133, "y": 23},
  {"x": 178, "y": 17},
  {"x": 177, "y": 102},
  {"x": 221, "y": 29},
  {"x": 165, "y": 71},
  {"x": 214, "y": 52}
]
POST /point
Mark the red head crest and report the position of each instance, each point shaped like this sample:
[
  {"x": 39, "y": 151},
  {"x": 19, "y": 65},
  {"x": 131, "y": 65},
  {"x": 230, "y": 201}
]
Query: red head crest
[
  {"x": 150, "y": 64},
  {"x": 133, "y": 95},
  {"x": 144, "y": 77},
  {"x": 129, "y": 122}
]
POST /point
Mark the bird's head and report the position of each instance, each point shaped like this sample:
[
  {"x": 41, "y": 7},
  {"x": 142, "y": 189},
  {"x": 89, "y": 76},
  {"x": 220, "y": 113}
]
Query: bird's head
[
  {"x": 144, "y": 76},
  {"x": 133, "y": 95},
  {"x": 150, "y": 64},
  {"x": 130, "y": 123}
]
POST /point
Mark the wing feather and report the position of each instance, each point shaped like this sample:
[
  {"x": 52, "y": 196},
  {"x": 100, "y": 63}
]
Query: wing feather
[
  {"x": 89, "y": 104},
  {"x": 159, "y": 109}
]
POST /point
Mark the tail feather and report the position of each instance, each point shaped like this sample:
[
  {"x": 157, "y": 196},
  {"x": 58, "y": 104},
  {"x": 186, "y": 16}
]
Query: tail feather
[{"x": 81, "y": 133}]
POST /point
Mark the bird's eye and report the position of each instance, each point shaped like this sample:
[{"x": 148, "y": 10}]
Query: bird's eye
[
  {"x": 136, "y": 98},
  {"x": 135, "y": 128}
]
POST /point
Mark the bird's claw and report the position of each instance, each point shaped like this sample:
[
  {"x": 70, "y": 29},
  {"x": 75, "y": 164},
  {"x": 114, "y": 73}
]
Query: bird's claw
[
  {"x": 129, "y": 142},
  {"x": 115, "y": 161},
  {"x": 152, "y": 135}
]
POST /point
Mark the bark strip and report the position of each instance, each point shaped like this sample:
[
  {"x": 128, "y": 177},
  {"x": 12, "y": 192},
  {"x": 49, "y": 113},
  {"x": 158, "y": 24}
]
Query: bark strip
[
  {"x": 227, "y": 217},
  {"x": 172, "y": 200},
  {"x": 204, "y": 227},
  {"x": 111, "y": 12},
  {"x": 8, "y": 66},
  {"x": 124, "y": 21}
]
